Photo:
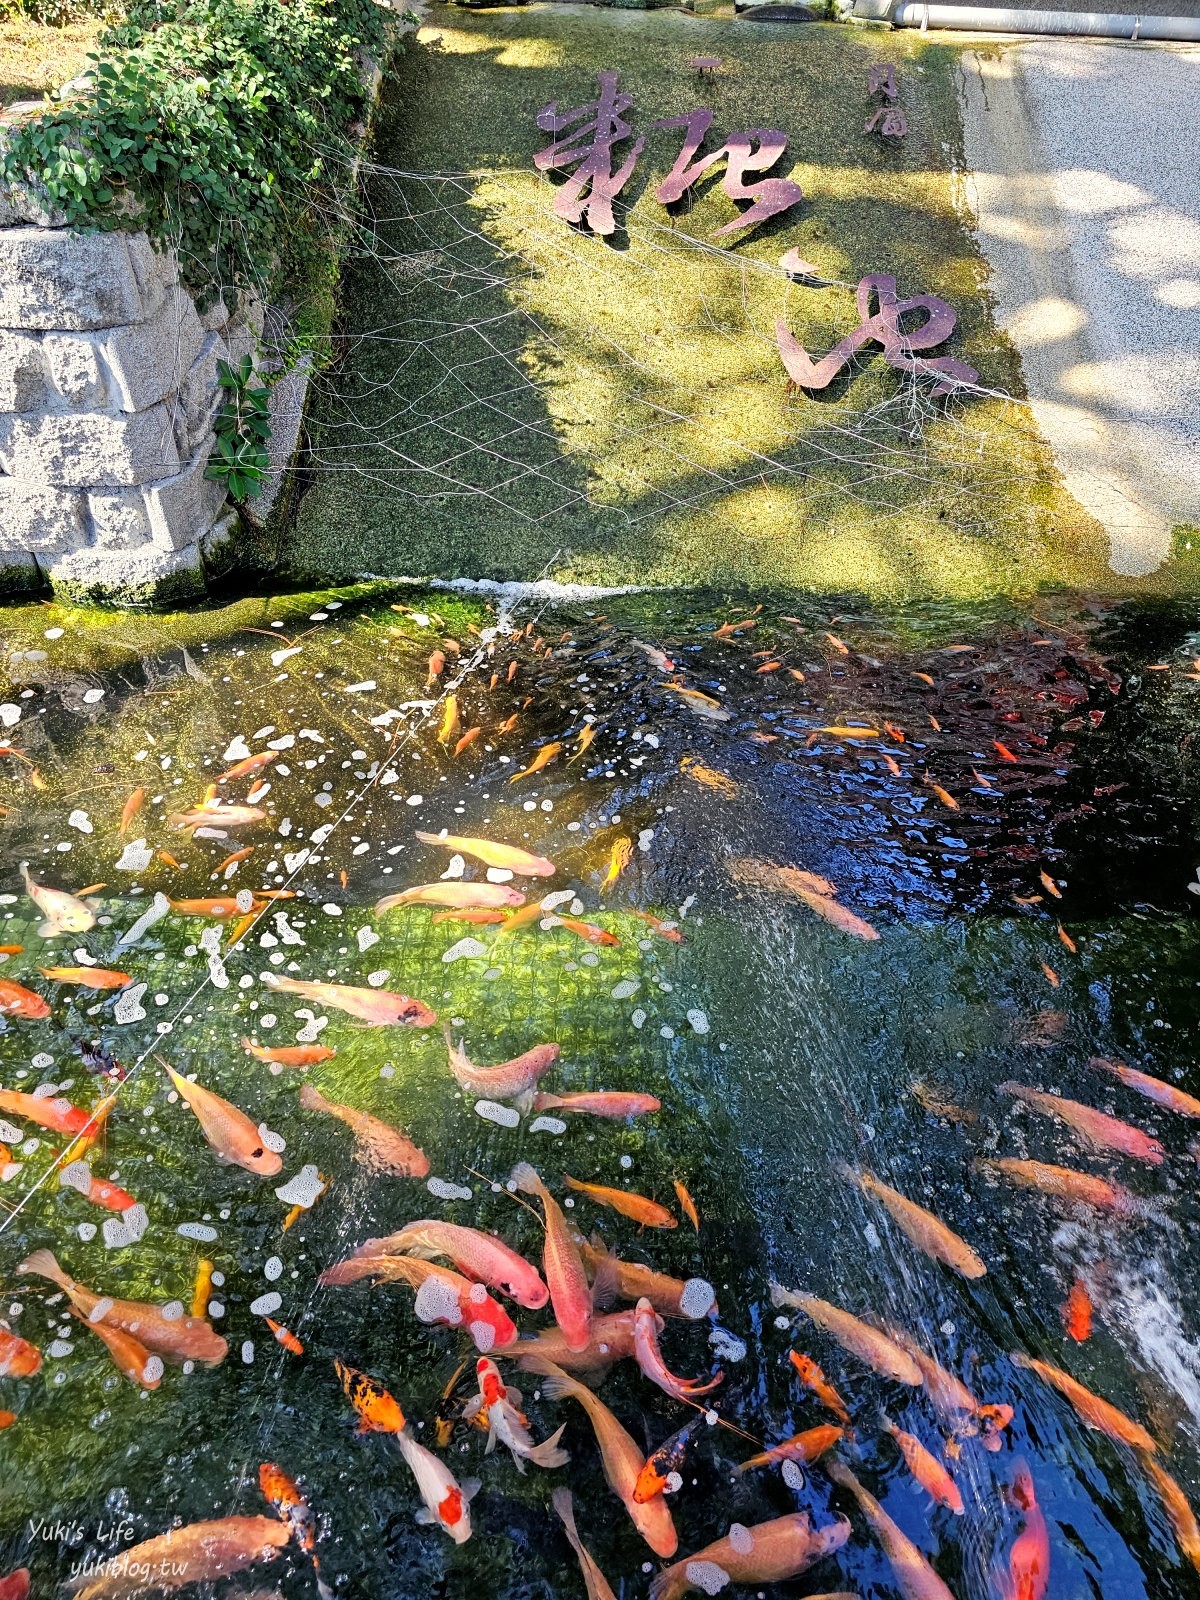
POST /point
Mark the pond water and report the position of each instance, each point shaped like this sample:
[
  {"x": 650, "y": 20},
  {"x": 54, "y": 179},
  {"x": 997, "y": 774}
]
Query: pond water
[{"x": 823, "y": 951}]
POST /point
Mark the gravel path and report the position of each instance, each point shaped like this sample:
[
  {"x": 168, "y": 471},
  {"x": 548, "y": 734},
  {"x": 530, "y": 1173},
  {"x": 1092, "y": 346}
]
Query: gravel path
[{"x": 1083, "y": 158}]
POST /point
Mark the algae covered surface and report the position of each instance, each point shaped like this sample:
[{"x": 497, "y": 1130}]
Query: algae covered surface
[
  {"x": 930, "y": 770},
  {"x": 515, "y": 396}
]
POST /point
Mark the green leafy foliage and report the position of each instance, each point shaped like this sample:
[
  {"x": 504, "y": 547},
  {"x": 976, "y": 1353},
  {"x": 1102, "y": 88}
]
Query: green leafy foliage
[
  {"x": 219, "y": 126},
  {"x": 242, "y": 427}
]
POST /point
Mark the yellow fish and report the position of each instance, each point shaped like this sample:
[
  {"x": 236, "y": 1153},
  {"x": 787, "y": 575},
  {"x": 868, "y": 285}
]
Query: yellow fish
[
  {"x": 585, "y": 741},
  {"x": 543, "y": 759},
  {"x": 64, "y": 913},
  {"x": 449, "y": 725},
  {"x": 230, "y": 1132},
  {"x": 505, "y": 856},
  {"x": 622, "y": 855}
]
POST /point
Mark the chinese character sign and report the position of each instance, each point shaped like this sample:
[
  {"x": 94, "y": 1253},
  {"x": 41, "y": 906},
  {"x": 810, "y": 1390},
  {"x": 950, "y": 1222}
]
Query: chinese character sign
[
  {"x": 590, "y": 191},
  {"x": 586, "y": 138},
  {"x": 770, "y": 197}
]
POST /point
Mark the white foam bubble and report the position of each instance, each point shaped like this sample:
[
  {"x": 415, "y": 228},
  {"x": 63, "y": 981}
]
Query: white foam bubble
[
  {"x": 706, "y": 1575},
  {"x": 740, "y": 1538},
  {"x": 445, "y": 1190},
  {"x": 696, "y": 1298},
  {"x": 199, "y": 1231},
  {"x": 266, "y": 1304},
  {"x": 483, "y": 1334},
  {"x": 503, "y": 1116},
  {"x": 465, "y": 949},
  {"x": 302, "y": 1190},
  {"x": 436, "y": 1301}
]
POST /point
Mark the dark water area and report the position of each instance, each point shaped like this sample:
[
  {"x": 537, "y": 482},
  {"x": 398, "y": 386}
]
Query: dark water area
[{"x": 1006, "y": 800}]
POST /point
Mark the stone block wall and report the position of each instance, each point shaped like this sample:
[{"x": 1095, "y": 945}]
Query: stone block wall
[{"x": 107, "y": 397}]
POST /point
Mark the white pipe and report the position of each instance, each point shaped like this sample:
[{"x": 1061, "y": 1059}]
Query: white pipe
[{"x": 989, "y": 19}]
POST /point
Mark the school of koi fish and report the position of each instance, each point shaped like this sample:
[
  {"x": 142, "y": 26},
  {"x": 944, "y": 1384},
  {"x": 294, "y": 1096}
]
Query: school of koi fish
[{"x": 562, "y": 1314}]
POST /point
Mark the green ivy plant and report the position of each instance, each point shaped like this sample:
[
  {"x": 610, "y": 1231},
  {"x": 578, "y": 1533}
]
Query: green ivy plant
[
  {"x": 242, "y": 427},
  {"x": 221, "y": 127}
]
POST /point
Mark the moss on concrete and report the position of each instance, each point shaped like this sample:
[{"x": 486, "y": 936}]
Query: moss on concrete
[{"x": 675, "y": 452}]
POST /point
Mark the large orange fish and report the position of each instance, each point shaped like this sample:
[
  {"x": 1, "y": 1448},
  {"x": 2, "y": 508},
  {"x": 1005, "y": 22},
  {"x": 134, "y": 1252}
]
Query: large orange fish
[
  {"x": 376, "y": 1410},
  {"x": 817, "y": 893},
  {"x": 177, "y": 1338},
  {"x": 289, "y": 1055},
  {"x": 87, "y": 977},
  {"x": 611, "y": 1340},
  {"x": 615, "y": 1278},
  {"x": 243, "y": 769},
  {"x": 18, "y": 1358},
  {"x": 804, "y": 1447},
  {"x": 1095, "y": 1130},
  {"x": 201, "y": 1552},
  {"x": 1163, "y": 1094},
  {"x": 958, "y": 1409},
  {"x": 925, "y": 1230},
  {"x": 18, "y": 1002},
  {"x": 506, "y": 857},
  {"x": 596, "y": 1585},
  {"x": 231, "y": 1134},
  {"x": 378, "y": 1008},
  {"x": 815, "y": 1380},
  {"x": 646, "y": 1325},
  {"x": 52, "y": 1112},
  {"x": 377, "y": 1145},
  {"x": 570, "y": 1294},
  {"x": 131, "y": 807},
  {"x": 634, "y": 1206},
  {"x": 619, "y": 1455},
  {"x": 511, "y": 1080},
  {"x": 618, "y": 1105},
  {"x": 591, "y": 931},
  {"x": 442, "y": 1296},
  {"x": 129, "y": 1354},
  {"x": 876, "y": 1350},
  {"x": 457, "y": 895},
  {"x": 1028, "y": 1571},
  {"x": 481, "y": 1256},
  {"x": 543, "y": 759},
  {"x": 1175, "y": 1503},
  {"x": 1077, "y": 1312},
  {"x": 1063, "y": 1183},
  {"x": 915, "y": 1578},
  {"x": 925, "y": 1467},
  {"x": 664, "y": 1464},
  {"x": 1091, "y": 1410},
  {"x": 765, "y": 1552}
]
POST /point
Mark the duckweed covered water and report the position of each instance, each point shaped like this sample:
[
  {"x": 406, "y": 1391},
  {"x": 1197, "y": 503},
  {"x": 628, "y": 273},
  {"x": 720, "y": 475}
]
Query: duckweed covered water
[{"x": 782, "y": 1047}]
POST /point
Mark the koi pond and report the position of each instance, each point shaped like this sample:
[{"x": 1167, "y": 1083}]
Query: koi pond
[{"x": 836, "y": 975}]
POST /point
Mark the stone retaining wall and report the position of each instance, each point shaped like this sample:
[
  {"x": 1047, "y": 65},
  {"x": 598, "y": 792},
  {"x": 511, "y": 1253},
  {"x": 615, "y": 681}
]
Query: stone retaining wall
[{"x": 107, "y": 396}]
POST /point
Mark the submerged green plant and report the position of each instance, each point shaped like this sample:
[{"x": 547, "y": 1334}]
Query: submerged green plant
[{"x": 243, "y": 426}]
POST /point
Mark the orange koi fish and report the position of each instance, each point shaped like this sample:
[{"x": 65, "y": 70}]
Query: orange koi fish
[
  {"x": 202, "y": 1290},
  {"x": 562, "y": 1265},
  {"x": 764, "y": 1553},
  {"x": 596, "y": 1585},
  {"x": 1095, "y": 1130},
  {"x": 1049, "y": 884},
  {"x": 169, "y": 860},
  {"x": 18, "y": 1358},
  {"x": 1063, "y": 1183},
  {"x": 511, "y": 1080},
  {"x": 506, "y": 857},
  {"x": 482, "y": 1256},
  {"x": 943, "y": 795},
  {"x": 467, "y": 739},
  {"x": 1163, "y": 1094},
  {"x": 727, "y": 628},
  {"x": 378, "y": 1008},
  {"x": 377, "y": 1146},
  {"x": 620, "y": 1106},
  {"x": 1052, "y": 977},
  {"x": 1004, "y": 752},
  {"x": 1029, "y": 1559},
  {"x": 232, "y": 860},
  {"x": 232, "y": 1136},
  {"x": 591, "y": 931},
  {"x": 480, "y": 915},
  {"x": 709, "y": 778},
  {"x": 1067, "y": 940},
  {"x": 442, "y": 1296},
  {"x": 87, "y": 977},
  {"x": 620, "y": 1457},
  {"x": 131, "y": 808},
  {"x": 21, "y": 1002},
  {"x": 173, "y": 1337},
  {"x": 1091, "y": 1410},
  {"x": 648, "y": 1213},
  {"x": 619, "y": 859},
  {"x": 646, "y": 1325},
  {"x": 925, "y": 1467},
  {"x": 876, "y": 1350},
  {"x": 615, "y": 1278},
  {"x": 285, "y": 1337},
  {"x": 210, "y": 906},
  {"x": 543, "y": 758},
  {"x": 52, "y": 1112},
  {"x": 702, "y": 704},
  {"x": 1077, "y": 1312},
  {"x": 803, "y": 1447},
  {"x": 586, "y": 737},
  {"x": 508, "y": 724},
  {"x": 663, "y": 1464},
  {"x": 129, "y": 1355},
  {"x": 687, "y": 1204},
  {"x": 374, "y": 1407},
  {"x": 289, "y": 1055},
  {"x": 815, "y": 1380},
  {"x": 1179, "y": 1513},
  {"x": 915, "y": 1578},
  {"x": 243, "y": 769},
  {"x": 926, "y": 1231},
  {"x": 437, "y": 660},
  {"x": 665, "y": 930}
]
